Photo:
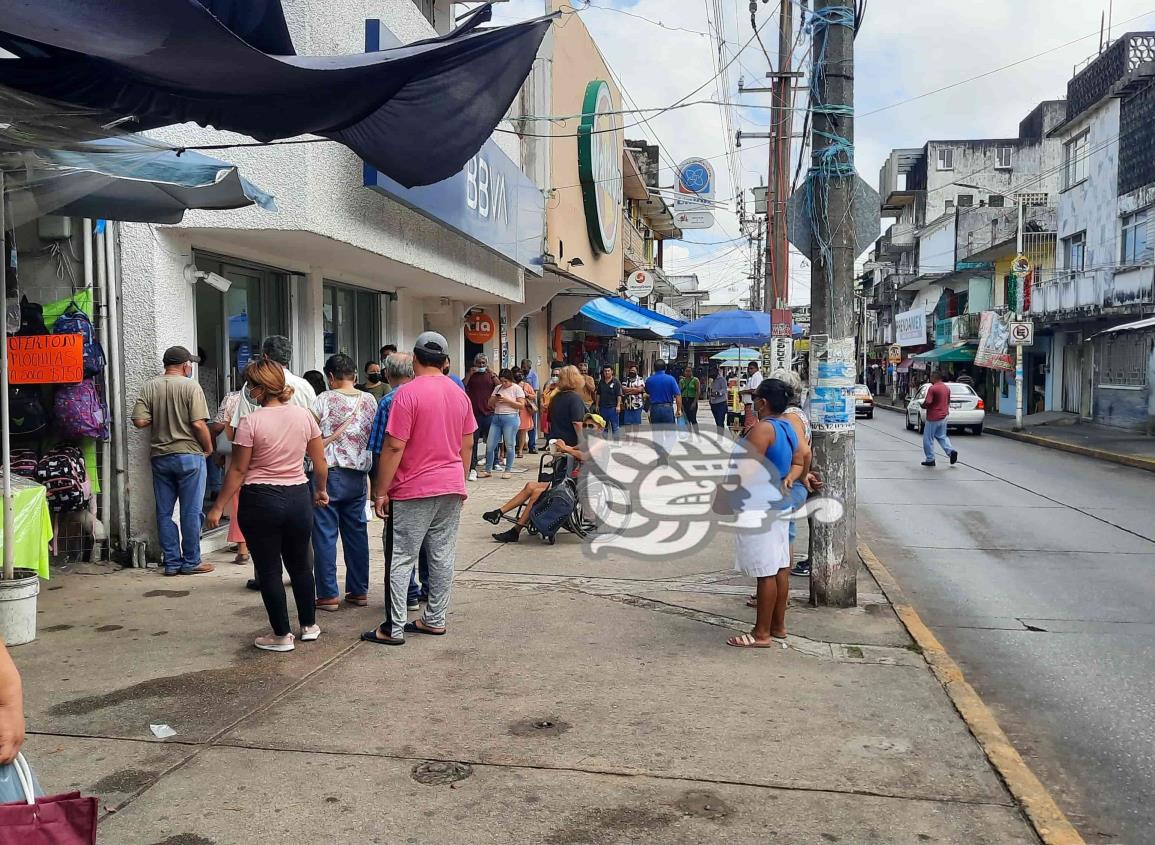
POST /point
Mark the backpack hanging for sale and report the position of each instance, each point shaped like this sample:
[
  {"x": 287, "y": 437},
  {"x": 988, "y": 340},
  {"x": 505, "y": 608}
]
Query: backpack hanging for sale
[
  {"x": 75, "y": 321},
  {"x": 24, "y": 462},
  {"x": 64, "y": 476},
  {"x": 31, "y": 318},
  {"x": 26, "y": 413},
  {"x": 80, "y": 412}
]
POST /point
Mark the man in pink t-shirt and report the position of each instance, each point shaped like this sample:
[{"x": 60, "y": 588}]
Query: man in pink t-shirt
[{"x": 419, "y": 488}]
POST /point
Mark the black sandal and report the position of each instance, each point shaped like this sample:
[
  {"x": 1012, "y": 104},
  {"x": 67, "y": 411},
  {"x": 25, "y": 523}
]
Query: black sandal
[
  {"x": 415, "y": 628},
  {"x": 371, "y": 637}
]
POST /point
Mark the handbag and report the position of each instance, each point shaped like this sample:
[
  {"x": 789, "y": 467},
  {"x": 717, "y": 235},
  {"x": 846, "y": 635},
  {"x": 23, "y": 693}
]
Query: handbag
[{"x": 66, "y": 819}]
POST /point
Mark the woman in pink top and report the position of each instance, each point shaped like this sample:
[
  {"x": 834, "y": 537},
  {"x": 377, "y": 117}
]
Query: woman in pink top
[{"x": 275, "y": 512}]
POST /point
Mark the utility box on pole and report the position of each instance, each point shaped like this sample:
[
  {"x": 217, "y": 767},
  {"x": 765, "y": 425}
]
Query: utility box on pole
[{"x": 830, "y": 188}]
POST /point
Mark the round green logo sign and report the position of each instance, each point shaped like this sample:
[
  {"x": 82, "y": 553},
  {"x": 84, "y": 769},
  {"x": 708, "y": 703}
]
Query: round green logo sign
[{"x": 600, "y": 166}]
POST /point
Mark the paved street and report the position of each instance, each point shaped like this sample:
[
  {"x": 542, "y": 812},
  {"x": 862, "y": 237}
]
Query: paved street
[
  {"x": 579, "y": 703},
  {"x": 1036, "y": 569}
]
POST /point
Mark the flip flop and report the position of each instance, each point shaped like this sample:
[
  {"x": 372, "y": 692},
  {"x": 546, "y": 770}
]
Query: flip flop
[
  {"x": 371, "y": 637},
  {"x": 415, "y": 627},
  {"x": 747, "y": 641}
]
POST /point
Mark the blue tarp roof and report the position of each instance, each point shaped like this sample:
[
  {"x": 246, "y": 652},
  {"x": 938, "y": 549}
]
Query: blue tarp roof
[{"x": 623, "y": 314}]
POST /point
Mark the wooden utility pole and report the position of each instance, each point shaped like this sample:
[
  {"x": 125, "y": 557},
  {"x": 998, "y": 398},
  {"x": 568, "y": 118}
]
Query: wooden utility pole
[
  {"x": 834, "y": 560},
  {"x": 776, "y": 290}
]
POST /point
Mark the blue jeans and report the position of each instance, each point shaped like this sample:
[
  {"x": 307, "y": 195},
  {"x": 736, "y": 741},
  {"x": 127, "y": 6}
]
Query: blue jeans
[
  {"x": 662, "y": 414},
  {"x": 935, "y": 431},
  {"x": 533, "y": 431},
  {"x": 502, "y": 427},
  {"x": 798, "y": 496},
  {"x": 632, "y": 416},
  {"x": 345, "y": 516},
  {"x": 610, "y": 415},
  {"x": 179, "y": 478}
]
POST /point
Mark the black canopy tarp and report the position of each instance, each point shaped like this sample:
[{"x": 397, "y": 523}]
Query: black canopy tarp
[{"x": 417, "y": 112}]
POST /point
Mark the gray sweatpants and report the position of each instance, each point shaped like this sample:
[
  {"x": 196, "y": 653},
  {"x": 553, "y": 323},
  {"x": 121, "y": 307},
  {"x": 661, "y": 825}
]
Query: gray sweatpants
[{"x": 414, "y": 522}]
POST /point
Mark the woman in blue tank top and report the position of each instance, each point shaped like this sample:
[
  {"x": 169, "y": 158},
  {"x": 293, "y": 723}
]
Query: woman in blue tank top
[{"x": 764, "y": 552}]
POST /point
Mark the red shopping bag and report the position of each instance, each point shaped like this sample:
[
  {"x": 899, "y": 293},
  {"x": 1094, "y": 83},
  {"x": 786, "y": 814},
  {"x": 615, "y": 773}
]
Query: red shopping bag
[{"x": 66, "y": 819}]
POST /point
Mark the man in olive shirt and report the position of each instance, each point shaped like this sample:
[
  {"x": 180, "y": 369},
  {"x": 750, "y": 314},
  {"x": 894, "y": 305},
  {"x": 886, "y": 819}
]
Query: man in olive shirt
[{"x": 172, "y": 406}]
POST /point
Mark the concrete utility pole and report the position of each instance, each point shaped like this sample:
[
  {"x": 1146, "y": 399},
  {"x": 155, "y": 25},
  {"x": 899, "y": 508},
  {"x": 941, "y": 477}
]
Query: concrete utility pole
[
  {"x": 834, "y": 559},
  {"x": 776, "y": 290}
]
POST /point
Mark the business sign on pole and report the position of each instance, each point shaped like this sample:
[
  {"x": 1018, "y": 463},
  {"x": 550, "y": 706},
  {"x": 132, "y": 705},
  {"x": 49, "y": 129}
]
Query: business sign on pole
[
  {"x": 781, "y": 322},
  {"x": 695, "y": 185},
  {"x": 778, "y": 354},
  {"x": 46, "y": 359},
  {"x": 894, "y": 354},
  {"x": 910, "y": 328},
  {"x": 1022, "y": 334},
  {"x": 694, "y": 219},
  {"x": 639, "y": 284},
  {"x": 600, "y": 166},
  {"x": 994, "y": 334}
]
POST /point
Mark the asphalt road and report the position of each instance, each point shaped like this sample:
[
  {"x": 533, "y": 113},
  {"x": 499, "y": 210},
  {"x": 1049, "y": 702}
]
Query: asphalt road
[{"x": 1036, "y": 570}]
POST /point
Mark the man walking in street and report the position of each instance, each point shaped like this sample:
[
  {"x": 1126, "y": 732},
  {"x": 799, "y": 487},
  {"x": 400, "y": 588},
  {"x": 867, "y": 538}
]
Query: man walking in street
[
  {"x": 937, "y": 405},
  {"x": 429, "y": 438},
  {"x": 480, "y": 387},
  {"x": 665, "y": 396},
  {"x": 610, "y": 400},
  {"x": 172, "y": 407},
  {"x": 530, "y": 375}
]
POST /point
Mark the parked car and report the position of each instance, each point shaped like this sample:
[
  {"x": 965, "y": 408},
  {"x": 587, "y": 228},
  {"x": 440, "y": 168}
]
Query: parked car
[
  {"x": 966, "y": 409},
  {"x": 863, "y": 402}
]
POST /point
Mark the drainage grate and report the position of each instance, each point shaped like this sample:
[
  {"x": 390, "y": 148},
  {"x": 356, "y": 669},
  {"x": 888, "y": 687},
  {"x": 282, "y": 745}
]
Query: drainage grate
[{"x": 437, "y": 773}]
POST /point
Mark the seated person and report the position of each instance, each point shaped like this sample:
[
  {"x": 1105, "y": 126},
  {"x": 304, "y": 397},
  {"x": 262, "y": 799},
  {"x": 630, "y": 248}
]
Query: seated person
[{"x": 532, "y": 491}]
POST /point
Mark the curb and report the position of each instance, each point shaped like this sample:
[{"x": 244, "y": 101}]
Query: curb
[
  {"x": 1048, "y": 821},
  {"x": 1134, "y": 461}
]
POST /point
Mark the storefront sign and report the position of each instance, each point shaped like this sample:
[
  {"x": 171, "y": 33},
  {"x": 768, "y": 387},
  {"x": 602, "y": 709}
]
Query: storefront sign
[
  {"x": 639, "y": 284},
  {"x": 974, "y": 265},
  {"x": 694, "y": 219},
  {"x": 910, "y": 328},
  {"x": 46, "y": 359},
  {"x": 894, "y": 354},
  {"x": 600, "y": 166},
  {"x": 778, "y": 354},
  {"x": 695, "y": 185},
  {"x": 994, "y": 332},
  {"x": 782, "y": 322},
  {"x": 491, "y": 201},
  {"x": 479, "y": 327}
]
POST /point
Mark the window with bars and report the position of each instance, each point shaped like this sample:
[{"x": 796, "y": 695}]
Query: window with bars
[
  {"x": 1123, "y": 362},
  {"x": 1075, "y": 154},
  {"x": 1034, "y": 200},
  {"x": 1134, "y": 238}
]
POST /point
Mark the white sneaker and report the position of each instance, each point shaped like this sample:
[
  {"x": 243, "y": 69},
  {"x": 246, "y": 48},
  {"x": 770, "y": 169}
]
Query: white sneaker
[
  {"x": 275, "y": 643},
  {"x": 308, "y": 635},
  {"x": 473, "y": 475}
]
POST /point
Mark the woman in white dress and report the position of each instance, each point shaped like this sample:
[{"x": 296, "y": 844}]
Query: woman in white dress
[{"x": 764, "y": 552}]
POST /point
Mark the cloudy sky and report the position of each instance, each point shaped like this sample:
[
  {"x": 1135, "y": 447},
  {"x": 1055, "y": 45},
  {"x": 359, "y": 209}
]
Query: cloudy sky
[{"x": 662, "y": 50}]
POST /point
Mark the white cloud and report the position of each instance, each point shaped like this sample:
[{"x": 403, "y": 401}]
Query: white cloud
[{"x": 904, "y": 49}]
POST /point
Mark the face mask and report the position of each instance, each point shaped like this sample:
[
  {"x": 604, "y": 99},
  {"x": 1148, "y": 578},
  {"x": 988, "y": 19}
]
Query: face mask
[
  {"x": 553, "y": 379},
  {"x": 252, "y": 399},
  {"x": 374, "y": 378},
  {"x": 482, "y": 369}
]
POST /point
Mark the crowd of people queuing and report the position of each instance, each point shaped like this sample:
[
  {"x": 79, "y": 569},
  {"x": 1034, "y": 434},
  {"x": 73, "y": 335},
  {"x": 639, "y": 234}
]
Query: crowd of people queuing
[{"x": 310, "y": 459}]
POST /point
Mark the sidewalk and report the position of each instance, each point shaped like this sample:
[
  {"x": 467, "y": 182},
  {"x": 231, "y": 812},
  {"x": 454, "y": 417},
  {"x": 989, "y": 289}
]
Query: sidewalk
[
  {"x": 1057, "y": 431},
  {"x": 572, "y": 702}
]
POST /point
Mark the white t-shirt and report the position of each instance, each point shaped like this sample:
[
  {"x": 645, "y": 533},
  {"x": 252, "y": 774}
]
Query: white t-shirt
[
  {"x": 303, "y": 396},
  {"x": 752, "y": 383}
]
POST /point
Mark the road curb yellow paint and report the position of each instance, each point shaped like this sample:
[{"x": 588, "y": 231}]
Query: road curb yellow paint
[
  {"x": 1136, "y": 461},
  {"x": 1049, "y": 822}
]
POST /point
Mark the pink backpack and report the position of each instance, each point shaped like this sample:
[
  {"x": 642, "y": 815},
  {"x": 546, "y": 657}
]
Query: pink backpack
[{"x": 80, "y": 411}]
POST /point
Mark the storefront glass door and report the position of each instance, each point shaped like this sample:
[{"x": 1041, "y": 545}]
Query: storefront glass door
[{"x": 352, "y": 323}]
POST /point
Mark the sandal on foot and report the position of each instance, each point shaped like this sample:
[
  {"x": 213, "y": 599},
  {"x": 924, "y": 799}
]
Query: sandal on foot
[
  {"x": 241, "y": 558},
  {"x": 309, "y": 635},
  {"x": 374, "y": 636},
  {"x": 507, "y": 475},
  {"x": 418, "y": 627},
  {"x": 484, "y": 474},
  {"x": 274, "y": 643},
  {"x": 747, "y": 641}
]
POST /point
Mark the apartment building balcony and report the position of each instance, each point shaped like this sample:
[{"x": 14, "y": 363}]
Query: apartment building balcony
[
  {"x": 1127, "y": 64},
  {"x": 902, "y": 180},
  {"x": 984, "y": 234},
  {"x": 1068, "y": 292}
]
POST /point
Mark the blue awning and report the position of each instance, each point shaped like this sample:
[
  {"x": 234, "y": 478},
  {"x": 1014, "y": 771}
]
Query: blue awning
[{"x": 623, "y": 314}]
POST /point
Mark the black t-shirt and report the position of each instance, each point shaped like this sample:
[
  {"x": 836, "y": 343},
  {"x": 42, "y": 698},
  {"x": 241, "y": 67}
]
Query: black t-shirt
[
  {"x": 566, "y": 411},
  {"x": 609, "y": 393}
]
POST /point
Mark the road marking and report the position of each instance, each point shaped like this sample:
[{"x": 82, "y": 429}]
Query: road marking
[{"x": 1049, "y": 822}]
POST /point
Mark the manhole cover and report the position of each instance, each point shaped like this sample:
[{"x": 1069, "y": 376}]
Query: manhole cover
[
  {"x": 547, "y": 726},
  {"x": 434, "y": 773}
]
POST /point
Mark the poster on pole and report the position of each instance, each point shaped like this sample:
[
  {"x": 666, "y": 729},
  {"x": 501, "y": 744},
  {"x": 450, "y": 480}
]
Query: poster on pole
[
  {"x": 994, "y": 332},
  {"x": 832, "y": 396}
]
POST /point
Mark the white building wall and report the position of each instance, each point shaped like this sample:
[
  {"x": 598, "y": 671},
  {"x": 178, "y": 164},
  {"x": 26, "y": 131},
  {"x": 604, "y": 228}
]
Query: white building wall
[{"x": 1093, "y": 205}]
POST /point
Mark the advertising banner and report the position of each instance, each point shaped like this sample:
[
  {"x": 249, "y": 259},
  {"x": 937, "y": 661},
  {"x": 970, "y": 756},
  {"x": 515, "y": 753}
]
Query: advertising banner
[
  {"x": 994, "y": 332},
  {"x": 910, "y": 328}
]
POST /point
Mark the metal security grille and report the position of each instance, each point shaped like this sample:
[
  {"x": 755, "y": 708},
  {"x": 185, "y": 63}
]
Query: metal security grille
[
  {"x": 1137, "y": 140},
  {"x": 1123, "y": 362}
]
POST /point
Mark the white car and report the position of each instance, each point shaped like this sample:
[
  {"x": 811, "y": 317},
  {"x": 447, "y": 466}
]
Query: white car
[{"x": 966, "y": 409}]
